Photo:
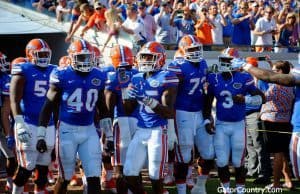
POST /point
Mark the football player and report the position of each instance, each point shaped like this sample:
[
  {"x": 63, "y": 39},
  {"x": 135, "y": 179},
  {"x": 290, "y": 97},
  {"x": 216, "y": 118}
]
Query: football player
[
  {"x": 124, "y": 126},
  {"x": 78, "y": 91},
  {"x": 29, "y": 84},
  {"x": 292, "y": 79},
  {"x": 5, "y": 66},
  {"x": 191, "y": 70},
  {"x": 230, "y": 87},
  {"x": 154, "y": 91},
  {"x": 6, "y": 144}
]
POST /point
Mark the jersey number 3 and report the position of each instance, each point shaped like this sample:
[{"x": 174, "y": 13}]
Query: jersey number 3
[{"x": 228, "y": 102}]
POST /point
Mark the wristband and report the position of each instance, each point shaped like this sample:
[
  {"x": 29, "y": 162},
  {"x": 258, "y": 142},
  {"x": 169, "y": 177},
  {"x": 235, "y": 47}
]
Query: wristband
[{"x": 206, "y": 121}]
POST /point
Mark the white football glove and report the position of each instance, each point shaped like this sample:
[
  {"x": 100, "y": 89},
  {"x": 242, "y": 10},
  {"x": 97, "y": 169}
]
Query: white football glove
[
  {"x": 106, "y": 127},
  {"x": 172, "y": 137},
  {"x": 22, "y": 130}
]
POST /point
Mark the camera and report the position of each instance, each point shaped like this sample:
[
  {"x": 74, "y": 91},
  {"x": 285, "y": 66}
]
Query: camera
[
  {"x": 180, "y": 11},
  {"x": 261, "y": 58}
]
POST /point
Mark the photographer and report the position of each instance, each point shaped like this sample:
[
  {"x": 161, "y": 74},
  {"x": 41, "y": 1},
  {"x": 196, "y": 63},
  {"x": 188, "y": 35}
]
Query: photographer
[
  {"x": 184, "y": 25},
  {"x": 204, "y": 27},
  {"x": 165, "y": 33}
]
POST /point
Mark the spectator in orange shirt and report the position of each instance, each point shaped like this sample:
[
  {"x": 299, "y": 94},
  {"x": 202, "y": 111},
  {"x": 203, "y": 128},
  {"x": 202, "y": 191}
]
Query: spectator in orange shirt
[
  {"x": 203, "y": 29},
  {"x": 85, "y": 13},
  {"x": 96, "y": 20}
]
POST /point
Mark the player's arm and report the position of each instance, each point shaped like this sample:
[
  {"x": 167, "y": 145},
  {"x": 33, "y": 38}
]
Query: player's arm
[
  {"x": 50, "y": 106},
  {"x": 110, "y": 101},
  {"x": 5, "y": 113},
  {"x": 107, "y": 102},
  {"x": 208, "y": 99},
  {"x": 166, "y": 108},
  {"x": 105, "y": 106},
  {"x": 272, "y": 77},
  {"x": 16, "y": 93},
  {"x": 129, "y": 106}
]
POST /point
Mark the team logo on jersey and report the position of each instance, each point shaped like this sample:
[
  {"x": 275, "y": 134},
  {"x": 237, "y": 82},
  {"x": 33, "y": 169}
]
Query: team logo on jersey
[
  {"x": 154, "y": 83},
  {"x": 237, "y": 85},
  {"x": 96, "y": 82}
]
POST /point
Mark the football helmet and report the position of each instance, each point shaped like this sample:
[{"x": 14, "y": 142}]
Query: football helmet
[
  {"x": 227, "y": 55},
  {"x": 64, "y": 61},
  {"x": 38, "y": 52},
  {"x": 4, "y": 65},
  {"x": 81, "y": 54},
  {"x": 98, "y": 61},
  {"x": 151, "y": 57},
  {"x": 191, "y": 48},
  {"x": 178, "y": 55},
  {"x": 121, "y": 56}
]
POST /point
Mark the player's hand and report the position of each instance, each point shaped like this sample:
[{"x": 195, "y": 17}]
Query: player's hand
[
  {"x": 239, "y": 99},
  {"x": 237, "y": 63},
  {"x": 22, "y": 129},
  {"x": 10, "y": 141},
  {"x": 135, "y": 93},
  {"x": 41, "y": 145},
  {"x": 209, "y": 126},
  {"x": 109, "y": 148},
  {"x": 172, "y": 137}
]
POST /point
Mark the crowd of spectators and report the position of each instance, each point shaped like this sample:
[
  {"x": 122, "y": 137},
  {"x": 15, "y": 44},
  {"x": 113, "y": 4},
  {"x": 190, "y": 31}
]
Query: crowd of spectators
[{"x": 257, "y": 25}]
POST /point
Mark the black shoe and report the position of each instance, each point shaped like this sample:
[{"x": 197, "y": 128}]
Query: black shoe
[{"x": 262, "y": 181}]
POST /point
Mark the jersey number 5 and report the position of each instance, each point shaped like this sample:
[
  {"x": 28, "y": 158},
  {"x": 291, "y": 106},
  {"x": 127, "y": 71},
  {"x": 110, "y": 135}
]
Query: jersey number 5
[{"x": 40, "y": 88}]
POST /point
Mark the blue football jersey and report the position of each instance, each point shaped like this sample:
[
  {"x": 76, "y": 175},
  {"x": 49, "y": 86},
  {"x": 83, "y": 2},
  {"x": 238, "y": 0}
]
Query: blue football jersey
[
  {"x": 113, "y": 84},
  {"x": 296, "y": 111},
  {"x": 223, "y": 90},
  {"x": 79, "y": 94},
  {"x": 35, "y": 89},
  {"x": 153, "y": 87},
  {"x": 4, "y": 85},
  {"x": 190, "y": 91}
]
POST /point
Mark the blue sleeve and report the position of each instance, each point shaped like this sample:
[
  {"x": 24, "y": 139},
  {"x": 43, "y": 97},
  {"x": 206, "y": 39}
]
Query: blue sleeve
[
  {"x": 175, "y": 68},
  {"x": 18, "y": 69},
  {"x": 262, "y": 85},
  {"x": 249, "y": 83},
  {"x": 170, "y": 80},
  {"x": 177, "y": 23},
  {"x": 111, "y": 82},
  {"x": 5, "y": 85}
]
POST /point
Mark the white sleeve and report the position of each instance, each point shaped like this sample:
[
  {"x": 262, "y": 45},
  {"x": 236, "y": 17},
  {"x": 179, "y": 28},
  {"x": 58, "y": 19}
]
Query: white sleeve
[{"x": 296, "y": 73}]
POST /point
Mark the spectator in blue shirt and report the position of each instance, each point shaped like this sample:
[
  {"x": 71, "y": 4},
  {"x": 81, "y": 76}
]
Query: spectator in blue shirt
[{"x": 184, "y": 25}]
